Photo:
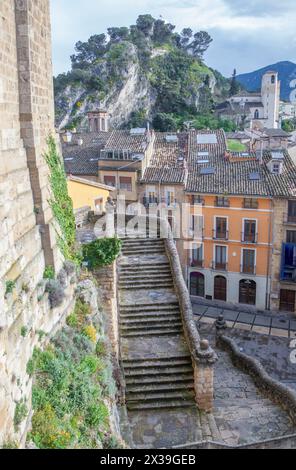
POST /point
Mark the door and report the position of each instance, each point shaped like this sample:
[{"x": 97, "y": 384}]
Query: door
[
  {"x": 247, "y": 292},
  {"x": 220, "y": 288},
  {"x": 221, "y": 228},
  {"x": 248, "y": 261},
  {"x": 287, "y": 300},
  {"x": 197, "y": 284},
  {"x": 220, "y": 257}
]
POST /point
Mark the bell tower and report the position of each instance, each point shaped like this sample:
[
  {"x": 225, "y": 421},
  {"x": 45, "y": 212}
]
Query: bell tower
[
  {"x": 98, "y": 121},
  {"x": 270, "y": 91}
]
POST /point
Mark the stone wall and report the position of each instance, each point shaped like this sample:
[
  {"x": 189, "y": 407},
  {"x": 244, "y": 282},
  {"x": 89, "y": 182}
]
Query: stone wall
[{"x": 27, "y": 239}]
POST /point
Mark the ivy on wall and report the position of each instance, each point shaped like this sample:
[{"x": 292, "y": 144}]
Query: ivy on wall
[{"x": 61, "y": 204}]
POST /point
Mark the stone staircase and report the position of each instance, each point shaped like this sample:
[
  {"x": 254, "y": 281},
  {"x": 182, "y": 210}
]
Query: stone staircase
[{"x": 156, "y": 361}]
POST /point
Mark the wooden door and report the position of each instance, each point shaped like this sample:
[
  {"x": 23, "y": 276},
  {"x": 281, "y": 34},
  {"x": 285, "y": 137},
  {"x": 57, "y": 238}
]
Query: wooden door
[
  {"x": 220, "y": 288},
  {"x": 287, "y": 300}
]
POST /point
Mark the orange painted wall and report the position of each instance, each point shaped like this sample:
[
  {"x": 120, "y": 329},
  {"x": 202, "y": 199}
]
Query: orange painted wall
[{"x": 235, "y": 214}]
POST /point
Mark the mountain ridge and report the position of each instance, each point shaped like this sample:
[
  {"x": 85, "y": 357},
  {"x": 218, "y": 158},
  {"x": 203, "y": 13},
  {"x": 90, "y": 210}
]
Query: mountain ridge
[{"x": 286, "y": 69}]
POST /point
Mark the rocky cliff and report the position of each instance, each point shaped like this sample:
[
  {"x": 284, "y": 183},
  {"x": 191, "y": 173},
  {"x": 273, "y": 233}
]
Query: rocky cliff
[{"x": 137, "y": 73}]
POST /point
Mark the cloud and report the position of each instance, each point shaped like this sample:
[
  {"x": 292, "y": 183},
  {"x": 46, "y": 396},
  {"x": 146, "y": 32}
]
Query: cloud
[{"x": 246, "y": 34}]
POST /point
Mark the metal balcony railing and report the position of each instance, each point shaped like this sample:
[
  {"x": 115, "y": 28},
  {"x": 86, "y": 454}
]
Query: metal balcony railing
[
  {"x": 197, "y": 263},
  {"x": 220, "y": 234},
  {"x": 245, "y": 269},
  {"x": 219, "y": 266},
  {"x": 249, "y": 237},
  {"x": 289, "y": 219}
]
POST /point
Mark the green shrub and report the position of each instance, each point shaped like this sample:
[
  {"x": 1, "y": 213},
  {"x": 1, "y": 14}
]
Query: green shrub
[
  {"x": 24, "y": 331},
  {"x": 97, "y": 415},
  {"x": 20, "y": 413},
  {"x": 101, "y": 252},
  {"x": 9, "y": 287},
  {"x": 49, "y": 273}
]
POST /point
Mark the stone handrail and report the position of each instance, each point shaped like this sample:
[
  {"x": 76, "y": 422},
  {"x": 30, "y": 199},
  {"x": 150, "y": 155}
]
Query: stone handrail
[
  {"x": 275, "y": 390},
  {"x": 199, "y": 350},
  {"x": 284, "y": 442}
]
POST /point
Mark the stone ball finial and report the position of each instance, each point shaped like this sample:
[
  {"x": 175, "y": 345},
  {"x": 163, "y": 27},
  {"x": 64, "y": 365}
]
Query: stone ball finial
[
  {"x": 204, "y": 344},
  {"x": 220, "y": 323}
]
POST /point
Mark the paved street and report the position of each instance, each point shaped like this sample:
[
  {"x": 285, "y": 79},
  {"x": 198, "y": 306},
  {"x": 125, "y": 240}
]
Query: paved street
[{"x": 274, "y": 324}]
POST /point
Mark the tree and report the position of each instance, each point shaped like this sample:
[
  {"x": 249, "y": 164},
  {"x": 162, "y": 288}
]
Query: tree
[
  {"x": 88, "y": 52},
  {"x": 118, "y": 34},
  {"x": 186, "y": 35},
  {"x": 234, "y": 86},
  {"x": 145, "y": 24},
  {"x": 200, "y": 44},
  {"x": 163, "y": 32},
  {"x": 164, "y": 122}
]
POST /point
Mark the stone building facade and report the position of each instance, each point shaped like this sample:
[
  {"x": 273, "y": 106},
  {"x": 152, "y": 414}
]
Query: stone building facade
[{"x": 27, "y": 239}]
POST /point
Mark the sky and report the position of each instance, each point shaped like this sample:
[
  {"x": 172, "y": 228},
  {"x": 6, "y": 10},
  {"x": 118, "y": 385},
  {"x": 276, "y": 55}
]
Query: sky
[{"x": 247, "y": 34}]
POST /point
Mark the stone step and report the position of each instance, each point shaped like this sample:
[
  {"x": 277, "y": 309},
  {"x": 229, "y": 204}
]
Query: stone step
[
  {"x": 153, "y": 266},
  {"x": 147, "y": 326},
  {"x": 142, "y": 251},
  {"x": 155, "y": 372},
  {"x": 151, "y": 332},
  {"x": 141, "y": 276},
  {"x": 184, "y": 377},
  {"x": 147, "y": 286},
  {"x": 162, "y": 362},
  {"x": 150, "y": 319},
  {"x": 160, "y": 387},
  {"x": 148, "y": 307},
  {"x": 156, "y": 396},
  {"x": 160, "y": 314},
  {"x": 143, "y": 242},
  {"x": 145, "y": 282},
  {"x": 144, "y": 322},
  {"x": 161, "y": 405}
]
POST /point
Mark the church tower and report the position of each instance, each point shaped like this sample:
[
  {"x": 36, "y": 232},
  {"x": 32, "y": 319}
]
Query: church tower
[{"x": 270, "y": 91}]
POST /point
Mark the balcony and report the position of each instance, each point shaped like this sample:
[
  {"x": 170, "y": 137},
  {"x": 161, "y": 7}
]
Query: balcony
[
  {"x": 220, "y": 235},
  {"x": 245, "y": 269},
  {"x": 219, "y": 266},
  {"x": 197, "y": 263},
  {"x": 249, "y": 237},
  {"x": 290, "y": 219}
]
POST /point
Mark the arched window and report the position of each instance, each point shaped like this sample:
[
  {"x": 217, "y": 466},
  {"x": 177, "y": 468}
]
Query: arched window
[
  {"x": 197, "y": 284},
  {"x": 256, "y": 114},
  {"x": 247, "y": 292},
  {"x": 220, "y": 288},
  {"x": 103, "y": 124},
  {"x": 272, "y": 79},
  {"x": 96, "y": 125}
]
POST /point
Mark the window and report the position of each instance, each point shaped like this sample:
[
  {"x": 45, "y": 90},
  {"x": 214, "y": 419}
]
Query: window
[
  {"x": 248, "y": 260},
  {"x": 110, "y": 180},
  {"x": 220, "y": 257},
  {"x": 222, "y": 201},
  {"x": 276, "y": 168},
  {"x": 292, "y": 211},
  {"x": 250, "y": 203},
  {"x": 272, "y": 79},
  {"x": 197, "y": 200},
  {"x": 197, "y": 255},
  {"x": 221, "y": 228},
  {"x": 125, "y": 183},
  {"x": 291, "y": 236},
  {"x": 256, "y": 114},
  {"x": 99, "y": 205},
  {"x": 170, "y": 197},
  {"x": 197, "y": 224},
  {"x": 249, "y": 233}
]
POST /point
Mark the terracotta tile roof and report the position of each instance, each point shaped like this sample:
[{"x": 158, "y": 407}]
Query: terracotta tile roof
[
  {"x": 169, "y": 160},
  {"x": 83, "y": 159},
  {"x": 234, "y": 178},
  {"x": 123, "y": 140}
]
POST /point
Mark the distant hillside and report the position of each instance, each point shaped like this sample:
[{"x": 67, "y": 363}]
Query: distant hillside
[{"x": 287, "y": 72}]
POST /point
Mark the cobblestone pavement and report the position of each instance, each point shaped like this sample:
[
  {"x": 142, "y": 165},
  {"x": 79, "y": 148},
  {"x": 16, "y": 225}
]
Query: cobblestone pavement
[{"x": 279, "y": 325}]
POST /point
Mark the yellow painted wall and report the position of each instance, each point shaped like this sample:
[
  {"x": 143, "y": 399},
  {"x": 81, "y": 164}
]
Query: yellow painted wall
[{"x": 84, "y": 195}]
